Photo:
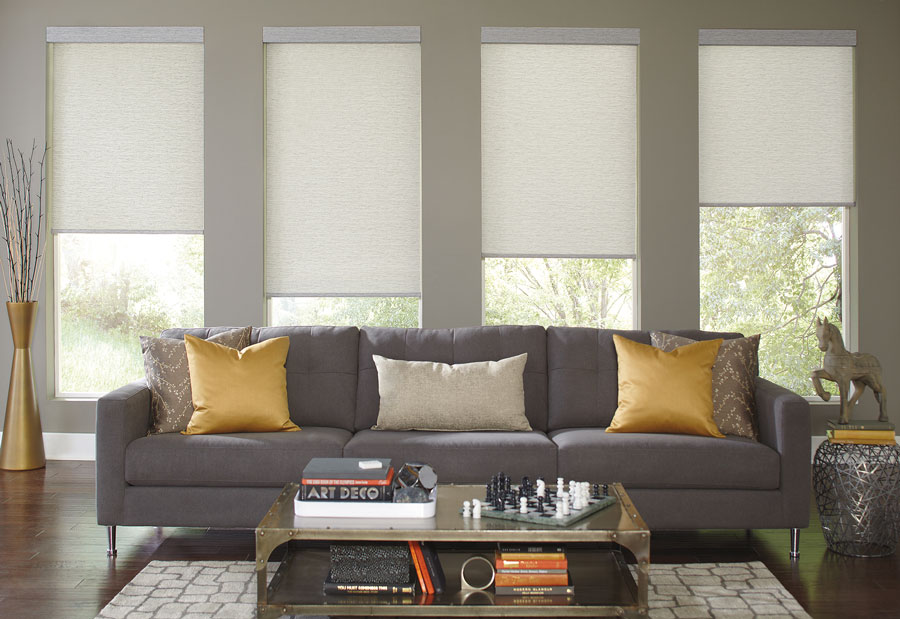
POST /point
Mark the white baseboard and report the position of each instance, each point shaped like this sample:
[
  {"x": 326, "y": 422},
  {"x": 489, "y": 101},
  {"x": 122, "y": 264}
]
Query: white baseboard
[{"x": 68, "y": 445}]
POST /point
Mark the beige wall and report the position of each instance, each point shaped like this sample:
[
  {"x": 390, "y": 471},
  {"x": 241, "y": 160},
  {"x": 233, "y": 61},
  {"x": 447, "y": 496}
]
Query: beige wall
[{"x": 451, "y": 235}]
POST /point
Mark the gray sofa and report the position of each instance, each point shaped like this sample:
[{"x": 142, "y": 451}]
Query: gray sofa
[{"x": 676, "y": 481}]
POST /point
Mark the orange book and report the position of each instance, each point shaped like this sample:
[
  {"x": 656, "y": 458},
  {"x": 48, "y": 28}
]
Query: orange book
[
  {"x": 538, "y": 580},
  {"x": 429, "y": 586},
  {"x": 502, "y": 563},
  {"x": 419, "y": 568}
]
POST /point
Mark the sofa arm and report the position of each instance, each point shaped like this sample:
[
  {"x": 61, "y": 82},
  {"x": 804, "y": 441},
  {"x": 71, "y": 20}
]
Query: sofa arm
[
  {"x": 123, "y": 415},
  {"x": 784, "y": 425}
]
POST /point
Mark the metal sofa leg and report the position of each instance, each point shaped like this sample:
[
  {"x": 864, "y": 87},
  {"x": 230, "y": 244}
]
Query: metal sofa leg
[
  {"x": 795, "y": 543},
  {"x": 111, "y": 537}
]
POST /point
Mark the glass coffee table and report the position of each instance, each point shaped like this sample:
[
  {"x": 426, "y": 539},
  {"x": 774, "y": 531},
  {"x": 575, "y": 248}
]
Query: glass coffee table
[{"x": 603, "y": 583}]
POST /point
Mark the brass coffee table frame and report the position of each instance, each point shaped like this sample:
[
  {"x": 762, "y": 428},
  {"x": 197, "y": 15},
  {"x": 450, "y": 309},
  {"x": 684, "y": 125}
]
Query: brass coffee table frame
[{"x": 296, "y": 587}]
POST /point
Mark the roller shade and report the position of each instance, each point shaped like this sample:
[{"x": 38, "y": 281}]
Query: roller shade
[
  {"x": 776, "y": 118},
  {"x": 127, "y": 129},
  {"x": 343, "y": 161},
  {"x": 559, "y": 141}
]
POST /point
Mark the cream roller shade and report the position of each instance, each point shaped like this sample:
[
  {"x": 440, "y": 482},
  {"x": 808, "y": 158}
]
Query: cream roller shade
[
  {"x": 559, "y": 142},
  {"x": 343, "y": 162},
  {"x": 776, "y": 118},
  {"x": 127, "y": 130}
]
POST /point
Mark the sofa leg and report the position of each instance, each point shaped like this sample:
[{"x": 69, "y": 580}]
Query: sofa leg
[
  {"x": 795, "y": 543},
  {"x": 111, "y": 538}
]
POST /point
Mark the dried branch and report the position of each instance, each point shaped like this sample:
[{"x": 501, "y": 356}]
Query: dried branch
[{"x": 22, "y": 220}]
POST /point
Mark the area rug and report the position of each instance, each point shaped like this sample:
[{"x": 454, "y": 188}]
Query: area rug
[{"x": 227, "y": 589}]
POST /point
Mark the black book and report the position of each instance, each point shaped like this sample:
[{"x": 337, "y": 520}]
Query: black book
[
  {"x": 370, "y": 494},
  {"x": 861, "y": 424},
  {"x": 539, "y": 548},
  {"x": 348, "y": 470},
  {"x": 536, "y": 590},
  {"x": 433, "y": 564},
  {"x": 359, "y": 588}
]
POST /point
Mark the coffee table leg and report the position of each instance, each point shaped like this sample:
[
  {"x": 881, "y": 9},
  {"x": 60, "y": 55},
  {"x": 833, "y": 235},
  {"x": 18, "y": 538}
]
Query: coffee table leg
[
  {"x": 265, "y": 544},
  {"x": 639, "y": 545}
]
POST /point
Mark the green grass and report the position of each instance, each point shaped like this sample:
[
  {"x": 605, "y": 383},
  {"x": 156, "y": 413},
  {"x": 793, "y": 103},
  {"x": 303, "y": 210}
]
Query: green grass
[{"x": 93, "y": 360}]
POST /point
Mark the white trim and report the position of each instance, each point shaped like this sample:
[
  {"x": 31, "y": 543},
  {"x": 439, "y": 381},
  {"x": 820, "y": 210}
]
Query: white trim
[
  {"x": 737, "y": 36},
  {"x": 69, "y": 445},
  {"x": 562, "y": 256},
  {"x": 341, "y": 34},
  {"x": 776, "y": 205},
  {"x": 124, "y": 34},
  {"x": 123, "y": 231},
  {"x": 562, "y": 36},
  {"x": 340, "y": 295}
]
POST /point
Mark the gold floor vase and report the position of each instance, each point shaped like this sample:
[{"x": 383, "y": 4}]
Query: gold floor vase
[{"x": 23, "y": 442}]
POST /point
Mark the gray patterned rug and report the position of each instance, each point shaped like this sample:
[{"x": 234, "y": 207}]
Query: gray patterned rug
[{"x": 227, "y": 589}]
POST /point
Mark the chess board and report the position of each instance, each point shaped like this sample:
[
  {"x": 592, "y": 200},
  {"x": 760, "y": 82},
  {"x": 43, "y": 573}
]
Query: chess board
[{"x": 596, "y": 501}]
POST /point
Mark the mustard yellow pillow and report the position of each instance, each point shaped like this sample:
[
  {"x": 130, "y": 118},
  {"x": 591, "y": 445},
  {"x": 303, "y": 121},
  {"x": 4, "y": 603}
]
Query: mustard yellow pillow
[
  {"x": 665, "y": 391},
  {"x": 238, "y": 391}
]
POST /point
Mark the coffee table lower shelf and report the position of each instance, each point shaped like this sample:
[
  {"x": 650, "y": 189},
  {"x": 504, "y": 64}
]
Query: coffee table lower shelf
[{"x": 603, "y": 584}]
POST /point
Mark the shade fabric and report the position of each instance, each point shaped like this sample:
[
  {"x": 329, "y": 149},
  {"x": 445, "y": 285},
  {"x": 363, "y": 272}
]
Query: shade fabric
[
  {"x": 127, "y": 135},
  {"x": 776, "y": 122},
  {"x": 559, "y": 148},
  {"x": 343, "y": 169}
]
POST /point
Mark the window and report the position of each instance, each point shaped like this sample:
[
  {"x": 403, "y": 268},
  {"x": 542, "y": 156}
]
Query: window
[
  {"x": 343, "y": 175},
  {"x": 126, "y": 211},
  {"x": 559, "y": 175},
  {"x": 776, "y": 184}
]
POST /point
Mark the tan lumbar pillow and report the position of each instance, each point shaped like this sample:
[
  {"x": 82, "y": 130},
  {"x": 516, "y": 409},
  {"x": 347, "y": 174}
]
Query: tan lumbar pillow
[
  {"x": 665, "y": 391},
  {"x": 238, "y": 391},
  {"x": 422, "y": 395}
]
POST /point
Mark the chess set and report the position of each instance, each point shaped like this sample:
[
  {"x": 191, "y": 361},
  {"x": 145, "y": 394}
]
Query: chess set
[{"x": 538, "y": 503}]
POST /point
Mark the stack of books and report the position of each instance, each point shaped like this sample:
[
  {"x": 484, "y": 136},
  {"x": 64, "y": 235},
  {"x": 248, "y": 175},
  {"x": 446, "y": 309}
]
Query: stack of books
[
  {"x": 429, "y": 572},
  {"x": 532, "y": 570},
  {"x": 348, "y": 479},
  {"x": 863, "y": 432}
]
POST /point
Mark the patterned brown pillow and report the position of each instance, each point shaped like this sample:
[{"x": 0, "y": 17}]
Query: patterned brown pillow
[
  {"x": 166, "y": 368},
  {"x": 733, "y": 373}
]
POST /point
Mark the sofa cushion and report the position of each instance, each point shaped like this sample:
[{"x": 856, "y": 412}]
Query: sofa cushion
[
  {"x": 269, "y": 459},
  {"x": 321, "y": 371},
  {"x": 583, "y": 373},
  {"x": 454, "y": 346},
  {"x": 462, "y": 457},
  {"x": 424, "y": 395},
  {"x": 666, "y": 460}
]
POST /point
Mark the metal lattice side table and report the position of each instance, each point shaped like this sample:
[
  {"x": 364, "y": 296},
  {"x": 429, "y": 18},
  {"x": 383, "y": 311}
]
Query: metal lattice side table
[{"x": 858, "y": 497}]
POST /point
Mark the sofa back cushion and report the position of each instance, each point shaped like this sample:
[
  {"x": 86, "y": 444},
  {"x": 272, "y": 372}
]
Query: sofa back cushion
[
  {"x": 583, "y": 372},
  {"x": 463, "y": 345},
  {"x": 321, "y": 371}
]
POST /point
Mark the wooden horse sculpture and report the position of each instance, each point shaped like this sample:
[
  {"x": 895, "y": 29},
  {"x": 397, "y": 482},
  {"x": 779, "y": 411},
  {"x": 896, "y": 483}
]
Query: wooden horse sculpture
[{"x": 845, "y": 367}]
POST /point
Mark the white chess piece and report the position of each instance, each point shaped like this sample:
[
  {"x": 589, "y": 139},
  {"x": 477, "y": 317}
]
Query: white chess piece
[
  {"x": 467, "y": 509},
  {"x": 565, "y": 505},
  {"x": 559, "y": 511},
  {"x": 560, "y": 485},
  {"x": 523, "y": 505},
  {"x": 541, "y": 488},
  {"x": 476, "y": 508},
  {"x": 577, "y": 505}
]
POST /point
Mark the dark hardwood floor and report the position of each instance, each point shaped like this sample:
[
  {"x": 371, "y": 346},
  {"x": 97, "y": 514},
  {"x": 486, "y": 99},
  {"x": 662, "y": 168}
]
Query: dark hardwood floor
[{"x": 53, "y": 555}]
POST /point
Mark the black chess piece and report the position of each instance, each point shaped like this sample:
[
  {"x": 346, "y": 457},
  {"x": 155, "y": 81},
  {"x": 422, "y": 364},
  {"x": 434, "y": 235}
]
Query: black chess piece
[
  {"x": 605, "y": 489},
  {"x": 488, "y": 493},
  {"x": 540, "y": 507},
  {"x": 595, "y": 494}
]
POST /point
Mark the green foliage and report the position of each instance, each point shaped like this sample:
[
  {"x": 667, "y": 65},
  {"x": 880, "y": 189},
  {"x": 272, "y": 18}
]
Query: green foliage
[
  {"x": 575, "y": 292},
  {"x": 772, "y": 271},
  {"x": 96, "y": 360},
  {"x": 346, "y": 311},
  {"x": 115, "y": 288}
]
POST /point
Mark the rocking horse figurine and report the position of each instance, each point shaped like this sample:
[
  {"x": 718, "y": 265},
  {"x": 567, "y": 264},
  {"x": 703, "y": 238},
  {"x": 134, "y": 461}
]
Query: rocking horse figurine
[{"x": 845, "y": 367}]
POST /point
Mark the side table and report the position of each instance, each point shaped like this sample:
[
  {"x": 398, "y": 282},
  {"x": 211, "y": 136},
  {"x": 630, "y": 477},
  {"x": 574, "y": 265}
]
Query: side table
[{"x": 858, "y": 497}]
